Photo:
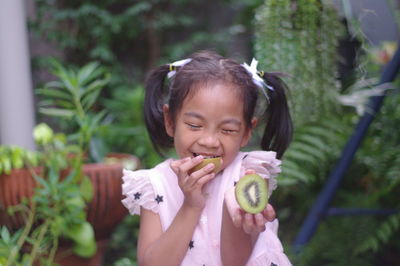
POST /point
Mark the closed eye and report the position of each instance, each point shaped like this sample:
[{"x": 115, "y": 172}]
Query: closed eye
[
  {"x": 229, "y": 131},
  {"x": 193, "y": 126}
]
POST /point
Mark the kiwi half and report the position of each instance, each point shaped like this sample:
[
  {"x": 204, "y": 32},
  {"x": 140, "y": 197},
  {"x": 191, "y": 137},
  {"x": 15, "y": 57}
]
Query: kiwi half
[
  {"x": 252, "y": 193},
  {"x": 216, "y": 161}
]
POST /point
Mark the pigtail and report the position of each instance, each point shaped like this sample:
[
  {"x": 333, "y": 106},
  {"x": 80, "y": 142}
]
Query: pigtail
[
  {"x": 153, "y": 109},
  {"x": 279, "y": 129}
]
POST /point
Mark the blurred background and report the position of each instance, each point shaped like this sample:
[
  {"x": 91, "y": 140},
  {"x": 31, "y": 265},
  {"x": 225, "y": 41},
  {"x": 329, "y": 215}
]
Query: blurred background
[{"x": 333, "y": 52}]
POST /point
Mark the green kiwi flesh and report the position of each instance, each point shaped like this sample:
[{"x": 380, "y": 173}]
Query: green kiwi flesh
[
  {"x": 216, "y": 161},
  {"x": 251, "y": 193}
]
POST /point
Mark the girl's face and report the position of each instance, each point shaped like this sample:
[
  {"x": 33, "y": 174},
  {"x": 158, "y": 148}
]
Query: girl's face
[{"x": 210, "y": 123}]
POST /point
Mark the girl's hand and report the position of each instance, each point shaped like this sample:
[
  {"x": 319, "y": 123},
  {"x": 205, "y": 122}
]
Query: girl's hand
[
  {"x": 250, "y": 223},
  {"x": 192, "y": 185}
]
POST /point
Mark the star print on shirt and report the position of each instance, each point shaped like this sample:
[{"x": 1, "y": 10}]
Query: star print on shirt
[
  {"x": 159, "y": 199},
  {"x": 137, "y": 195},
  {"x": 191, "y": 244},
  {"x": 273, "y": 264}
]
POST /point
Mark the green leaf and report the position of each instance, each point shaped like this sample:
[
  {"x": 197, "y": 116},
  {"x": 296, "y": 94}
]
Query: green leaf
[
  {"x": 65, "y": 104},
  {"x": 97, "y": 84},
  {"x": 292, "y": 171},
  {"x": 17, "y": 158},
  {"x": 54, "y": 93},
  {"x": 57, "y": 112},
  {"x": 7, "y": 165},
  {"x": 323, "y": 133},
  {"x": 97, "y": 119},
  {"x": 86, "y": 72},
  {"x": 318, "y": 155},
  {"x": 316, "y": 142},
  {"x": 300, "y": 156},
  {"x": 5, "y": 235},
  {"x": 82, "y": 233},
  {"x": 41, "y": 181},
  {"x": 89, "y": 100},
  {"x": 86, "y": 189}
]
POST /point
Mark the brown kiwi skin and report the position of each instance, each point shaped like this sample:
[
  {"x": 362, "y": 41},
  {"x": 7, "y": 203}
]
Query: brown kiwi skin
[
  {"x": 242, "y": 204},
  {"x": 216, "y": 161}
]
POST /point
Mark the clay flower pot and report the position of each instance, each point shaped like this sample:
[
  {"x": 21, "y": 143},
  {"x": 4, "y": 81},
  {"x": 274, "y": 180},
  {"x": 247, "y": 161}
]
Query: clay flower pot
[{"x": 104, "y": 212}]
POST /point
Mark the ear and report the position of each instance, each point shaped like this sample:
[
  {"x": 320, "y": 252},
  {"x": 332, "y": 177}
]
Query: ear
[
  {"x": 247, "y": 134},
  {"x": 169, "y": 125}
]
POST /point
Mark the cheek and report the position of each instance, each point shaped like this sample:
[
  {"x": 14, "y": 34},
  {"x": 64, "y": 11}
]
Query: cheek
[
  {"x": 232, "y": 148},
  {"x": 245, "y": 138}
]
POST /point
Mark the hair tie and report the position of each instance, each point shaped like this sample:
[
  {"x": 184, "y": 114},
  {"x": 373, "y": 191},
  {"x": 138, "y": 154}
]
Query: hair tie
[
  {"x": 174, "y": 65},
  {"x": 257, "y": 76}
]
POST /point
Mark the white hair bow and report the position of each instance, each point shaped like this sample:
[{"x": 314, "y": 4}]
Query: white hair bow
[
  {"x": 172, "y": 67},
  {"x": 252, "y": 70}
]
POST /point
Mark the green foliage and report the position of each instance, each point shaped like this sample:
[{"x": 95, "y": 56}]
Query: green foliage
[
  {"x": 300, "y": 38},
  {"x": 72, "y": 97},
  {"x": 381, "y": 236},
  {"x": 125, "y": 131},
  {"x": 313, "y": 150},
  {"x": 8, "y": 243},
  {"x": 14, "y": 157},
  {"x": 121, "y": 245},
  {"x": 111, "y": 31},
  {"x": 334, "y": 242},
  {"x": 380, "y": 156}
]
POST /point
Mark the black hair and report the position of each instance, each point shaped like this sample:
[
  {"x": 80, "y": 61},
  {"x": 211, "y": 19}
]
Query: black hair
[{"x": 208, "y": 67}]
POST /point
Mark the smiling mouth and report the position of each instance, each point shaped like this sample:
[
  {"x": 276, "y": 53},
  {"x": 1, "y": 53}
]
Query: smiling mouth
[{"x": 206, "y": 156}]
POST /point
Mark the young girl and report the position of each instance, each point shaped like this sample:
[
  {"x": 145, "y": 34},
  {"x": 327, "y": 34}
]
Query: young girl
[{"x": 208, "y": 109}]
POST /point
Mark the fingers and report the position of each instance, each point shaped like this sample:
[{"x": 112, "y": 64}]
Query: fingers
[
  {"x": 204, "y": 179},
  {"x": 248, "y": 223},
  {"x": 185, "y": 164},
  {"x": 195, "y": 179},
  {"x": 269, "y": 213},
  {"x": 196, "y": 176},
  {"x": 177, "y": 163},
  {"x": 192, "y": 162},
  {"x": 259, "y": 222},
  {"x": 253, "y": 223}
]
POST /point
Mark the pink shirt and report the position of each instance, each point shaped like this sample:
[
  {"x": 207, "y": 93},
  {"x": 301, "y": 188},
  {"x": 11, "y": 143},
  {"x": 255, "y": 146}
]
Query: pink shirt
[{"x": 157, "y": 190}]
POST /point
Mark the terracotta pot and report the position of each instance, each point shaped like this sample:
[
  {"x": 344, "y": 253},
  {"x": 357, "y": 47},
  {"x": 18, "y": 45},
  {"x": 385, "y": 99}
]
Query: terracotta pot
[
  {"x": 14, "y": 187},
  {"x": 104, "y": 212}
]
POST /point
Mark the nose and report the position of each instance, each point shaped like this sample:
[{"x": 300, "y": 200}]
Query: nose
[{"x": 209, "y": 140}]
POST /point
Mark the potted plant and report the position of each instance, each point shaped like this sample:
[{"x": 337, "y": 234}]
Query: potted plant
[
  {"x": 57, "y": 192},
  {"x": 63, "y": 178}
]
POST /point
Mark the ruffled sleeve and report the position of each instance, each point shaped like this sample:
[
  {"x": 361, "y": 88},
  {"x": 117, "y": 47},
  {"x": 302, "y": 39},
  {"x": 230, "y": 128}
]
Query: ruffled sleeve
[
  {"x": 265, "y": 164},
  {"x": 138, "y": 191}
]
